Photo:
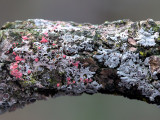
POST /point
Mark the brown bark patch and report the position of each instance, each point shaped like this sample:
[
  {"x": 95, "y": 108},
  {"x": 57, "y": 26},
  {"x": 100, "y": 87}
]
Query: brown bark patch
[
  {"x": 154, "y": 64},
  {"x": 132, "y": 41},
  {"x": 108, "y": 78},
  {"x": 89, "y": 62}
]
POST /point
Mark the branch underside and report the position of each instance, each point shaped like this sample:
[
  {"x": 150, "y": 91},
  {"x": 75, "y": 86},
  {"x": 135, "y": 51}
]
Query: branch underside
[{"x": 41, "y": 58}]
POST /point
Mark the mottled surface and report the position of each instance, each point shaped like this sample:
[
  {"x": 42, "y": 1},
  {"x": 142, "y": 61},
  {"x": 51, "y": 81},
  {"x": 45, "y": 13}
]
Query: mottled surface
[{"x": 39, "y": 58}]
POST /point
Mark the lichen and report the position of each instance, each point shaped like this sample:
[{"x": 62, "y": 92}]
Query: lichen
[
  {"x": 111, "y": 58},
  {"x": 131, "y": 64},
  {"x": 39, "y": 55},
  {"x": 147, "y": 38}
]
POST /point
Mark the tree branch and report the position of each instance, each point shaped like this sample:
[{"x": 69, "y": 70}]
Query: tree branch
[{"x": 39, "y": 58}]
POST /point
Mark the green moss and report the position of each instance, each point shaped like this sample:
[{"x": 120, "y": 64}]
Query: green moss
[
  {"x": 120, "y": 22},
  {"x": 30, "y": 82},
  {"x": 156, "y": 29},
  {"x": 158, "y": 38},
  {"x": 142, "y": 53},
  {"x": 35, "y": 33},
  {"x": 16, "y": 35},
  {"x": 8, "y": 25},
  {"x": 29, "y": 24},
  {"x": 97, "y": 36},
  {"x": 52, "y": 82},
  {"x": 61, "y": 73},
  {"x": 80, "y": 25},
  {"x": 147, "y": 52}
]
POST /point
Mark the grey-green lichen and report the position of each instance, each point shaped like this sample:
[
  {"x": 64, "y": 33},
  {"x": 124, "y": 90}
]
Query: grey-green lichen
[
  {"x": 38, "y": 55},
  {"x": 129, "y": 58}
]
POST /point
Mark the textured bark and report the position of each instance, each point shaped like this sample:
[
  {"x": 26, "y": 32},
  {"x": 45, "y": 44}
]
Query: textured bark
[{"x": 41, "y": 58}]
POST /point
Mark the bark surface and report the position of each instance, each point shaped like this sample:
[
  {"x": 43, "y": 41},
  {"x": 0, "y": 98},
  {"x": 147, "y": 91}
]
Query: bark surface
[{"x": 41, "y": 58}]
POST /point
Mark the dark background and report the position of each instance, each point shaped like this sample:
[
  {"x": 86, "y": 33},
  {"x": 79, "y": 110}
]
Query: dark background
[
  {"x": 85, "y": 107},
  {"x": 93, "y": 11}
]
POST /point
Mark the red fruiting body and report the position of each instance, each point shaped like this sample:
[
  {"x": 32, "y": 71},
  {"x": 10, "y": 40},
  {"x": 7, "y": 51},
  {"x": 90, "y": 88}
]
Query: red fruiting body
[
  {"x": 14, "y": 66},
  {"x": 14, "y": 71},
  {"x": 53, "y": 44},
  {"x": 36, "y": 60},
  {"x": 64, "y": 56},
  {"x": 44, "y": 40},
  {"x": 24, "y": 37},
  {"x": 76, "y": 63},
  {"x": 29, "y": 72},
  {"x": 14, "y": 53},
  {"x": 58, "y": 84},
  {"x": 17, "y": 58},
  {"x": 68, "y": 78}
]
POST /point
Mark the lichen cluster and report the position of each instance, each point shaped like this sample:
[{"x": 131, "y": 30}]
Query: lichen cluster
[
  {"x": 66, "y": 58},
  {"x": 45, "y": 55},
  {"x": 132, "y": 48}
]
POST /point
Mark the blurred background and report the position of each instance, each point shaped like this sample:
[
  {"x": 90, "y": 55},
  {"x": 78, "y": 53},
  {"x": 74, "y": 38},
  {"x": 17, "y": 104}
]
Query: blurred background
[
  {"x": 93, "y": 11},
  {"x": 85, "y": 107}
]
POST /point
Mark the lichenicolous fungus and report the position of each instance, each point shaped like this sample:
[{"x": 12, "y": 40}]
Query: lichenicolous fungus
[{"x": 41, "y": 54}]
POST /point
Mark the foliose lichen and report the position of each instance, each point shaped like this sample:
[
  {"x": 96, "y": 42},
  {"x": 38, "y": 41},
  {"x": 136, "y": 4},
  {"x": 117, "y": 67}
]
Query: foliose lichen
[{"x": 65, "y": 57}]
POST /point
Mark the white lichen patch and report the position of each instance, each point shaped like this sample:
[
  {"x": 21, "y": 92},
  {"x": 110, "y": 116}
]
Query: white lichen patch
[
  {"x": 146, "y": 38},
  {"x": 148, "y": 90},
  {"x": 110, "y": 58},
  {"x": 132, "y": 70},
  {"x": 72, "y": 44},
  {"x": 119, "y": 36},
  {"x": 133, "y": 74}
]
